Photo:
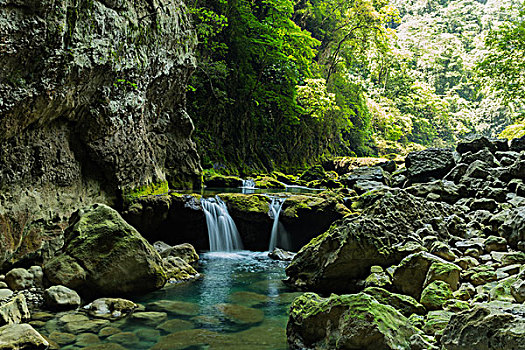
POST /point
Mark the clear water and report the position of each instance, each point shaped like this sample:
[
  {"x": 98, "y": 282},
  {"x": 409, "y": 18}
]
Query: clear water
[{"x": 240, "y": 303}]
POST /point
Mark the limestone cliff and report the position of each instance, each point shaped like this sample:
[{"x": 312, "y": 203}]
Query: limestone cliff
[{"x": 92, "y": 106}]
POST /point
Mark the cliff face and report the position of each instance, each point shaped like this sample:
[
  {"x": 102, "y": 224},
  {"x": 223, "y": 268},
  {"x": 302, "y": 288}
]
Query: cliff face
[{"x": 92, "y": 98}]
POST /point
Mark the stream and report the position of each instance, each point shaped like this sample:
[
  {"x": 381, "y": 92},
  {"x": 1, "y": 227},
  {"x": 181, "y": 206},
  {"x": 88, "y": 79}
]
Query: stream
[{"x": 239, "y": 303}]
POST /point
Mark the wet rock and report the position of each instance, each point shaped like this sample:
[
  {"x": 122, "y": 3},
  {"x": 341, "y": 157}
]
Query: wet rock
[
  {"x": 465, "y": 292},
  {"x": 92, "y": 326},
  {"x": 115, "y": 258},
  {"x": 62, "y": 338},
  {"x": 430, "y": 164},
  {"x": 486, "y": 326},
  {"x": 14, "y": 311},
  {"x": 502, "y": 291},
  {"x": 434, "y": 296},
  {"x": 178, "y": 270},
  {"x": 175, "y": 325},
  {"x": 5, "y": 293},
  {"x": 443, "y": 251},
  {"x": 127, "y": 339},
  {"x": 148, "y": 334},
  {"x": 346, "y": 322},
  {"x": 151, "y": 318},
  {"x": 174, "y": 307},
  {"x": 518, "y": 290},
  {"x": 495, "y": 244},
  {"x": 86, "y": 339},
  {"x": 446, "y": 191},
  {"x": 378, "y": 278},
  {"x": 349, "y": 249},
  {"x": 241, "y": 314},
  {"x": 113, "y": 308},
  {"x": 21, "y": 336},
  {"x": 365, "y": 175},
  {"x": 107, "y": 331},
  {"x": 61, "y": 298},
  {"x": 248, "y": 298},
  {"x": 280, "y": 254}
]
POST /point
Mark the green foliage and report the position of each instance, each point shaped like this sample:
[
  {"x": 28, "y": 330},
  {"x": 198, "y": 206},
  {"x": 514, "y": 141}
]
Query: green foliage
[{"x": 146, "y": 190}]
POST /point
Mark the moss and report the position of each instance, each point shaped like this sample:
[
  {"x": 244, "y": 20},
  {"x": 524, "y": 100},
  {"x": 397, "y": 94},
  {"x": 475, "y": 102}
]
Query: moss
[
  {"x": 403, "y": 303},
  {"x": 435, "y": 295},
  {"x": 502, "y": 291},
  {"x": 456, "y": 305},
  {"x": 266, "y": 182},
  {"x": 246, "y": 203},
  {"x": 146, "y": 190}
]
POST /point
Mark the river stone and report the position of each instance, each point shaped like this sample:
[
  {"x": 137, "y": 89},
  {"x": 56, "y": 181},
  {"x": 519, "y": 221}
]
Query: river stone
[
  {"x": 346, "y": 252},
  {"x": 115, "y": 258},
  {"x": 73, "y": 317},
  {"x": 175, "y": 325},
  {"x": 104, "y": 346},
  {"x": 62, "y": 338},
  {"x": 85, "y": 339},
  {"x": 181, "y": 308},
  {"x": 14, "y": 311},
  {"x": 248, "y": 298},
  {"x": 150, "y": 318},
  {"x": 148, "y": 334},
  {"x": 19, "y": 278},
  {"x": 111, "y": 307},
  {"x": 354, "y": 321},
  {"x": 128, "y": 339},
  {"x": 486, "y": 326},
  {"x": 92, "y": 326},
  {"x": 196, "y": 338},
  {"x": 21, "y": 336},
  {"x": 280, "y": 254},
  {"x": 178, "y": 269},
  {"x": 107, "y": 331},
  {"x": 61, "y": 298},
  {"x": 241, "y": 314}
]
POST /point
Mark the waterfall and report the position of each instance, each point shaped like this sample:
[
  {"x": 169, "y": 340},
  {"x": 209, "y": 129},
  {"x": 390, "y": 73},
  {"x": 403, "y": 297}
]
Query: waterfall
[
  {"x": 222, "y": 231},
  {"x": 248, "y": 186},
  {"x": 274, "y": 212}
]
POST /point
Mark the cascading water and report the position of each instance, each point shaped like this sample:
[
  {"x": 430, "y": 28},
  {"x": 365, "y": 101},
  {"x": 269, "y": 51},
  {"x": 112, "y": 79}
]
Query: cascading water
[
  {"x": 275, "y": 210},
  {"x": 248, "y": 186},
  {"x": 222, "y": 232}
]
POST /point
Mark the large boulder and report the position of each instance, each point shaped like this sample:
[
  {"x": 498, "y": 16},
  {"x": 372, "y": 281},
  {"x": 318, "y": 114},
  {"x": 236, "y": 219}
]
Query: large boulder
[
  {"x": 486, "y": 326},
  {"x": 513, "y": 228},
  {"x": 21, "y": 337},
  {"x": 356, "y": 321},
  {"x": 346, "y": 252},
  {"x": 104, "y": 255},
  {"x": 429, "y": 164}
]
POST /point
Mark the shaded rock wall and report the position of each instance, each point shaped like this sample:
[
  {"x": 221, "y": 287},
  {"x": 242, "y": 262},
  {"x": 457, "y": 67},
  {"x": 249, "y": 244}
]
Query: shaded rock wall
[{"x": 92, "y": 98}]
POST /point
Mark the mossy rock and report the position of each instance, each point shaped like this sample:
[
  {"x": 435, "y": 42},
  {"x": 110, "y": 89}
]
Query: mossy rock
[
  {"x": 267, "y": 182},
  {"x": 314, "y": 173},
  {"x": 108, "y": 255},
  {"x": 222, "y": 181},
  {"x": 154, "y": 189},
  {"x": 253, "y": 203},
  {"x": 502, "y": 291},
  {"x": 435, "y": 295},
  {"x": 436, "y": 321},
  {"x": 403, "y": 303},
  {"x": 456, "y": 305},
  {"x": 445, "y": 272},
  {"x": 354, "y": 321}
]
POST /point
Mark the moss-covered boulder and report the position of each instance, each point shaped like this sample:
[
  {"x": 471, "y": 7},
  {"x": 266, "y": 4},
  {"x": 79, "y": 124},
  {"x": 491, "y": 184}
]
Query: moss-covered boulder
[
  {"x": 446, "y": 272},
  {"x": 356, "y": 321},
  {"x": 346, "y": 252},
  {"x": 107, "y": 255},
  {"x": 222, "y": 181},
  {"x": 435, "y": 295},
  {"x": 314, "y": 173},
  {"x": 267, "y": 182}
]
